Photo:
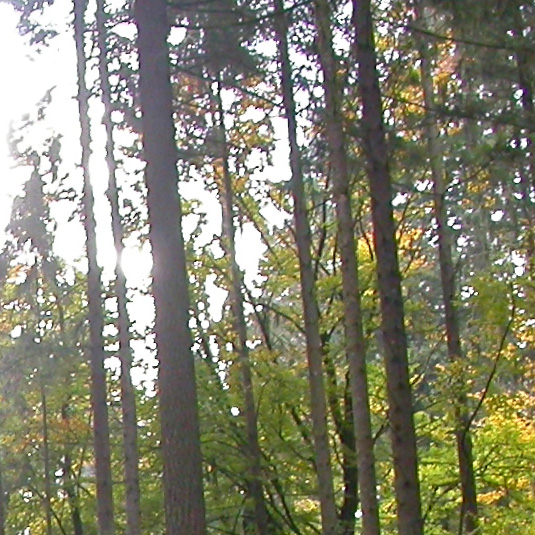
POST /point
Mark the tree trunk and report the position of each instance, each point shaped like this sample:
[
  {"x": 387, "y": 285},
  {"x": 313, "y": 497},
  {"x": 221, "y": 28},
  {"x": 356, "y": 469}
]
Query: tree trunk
[
  {"x": 469, "y": 512},
  {"x": 389, "y": 280},
  {"x": 354, "y": 332},
  {"x": 329, "y": 516},
  {"x": 128, "y": 400},
  {"x": 181, "y": 451},
  {"x": 342, "y": 416},
  {"x": 70, "y": 490},
  {"x": 46, "y": 455},
  {"x": 96, "y": 322},
  {"x": 254, "y": 454}
]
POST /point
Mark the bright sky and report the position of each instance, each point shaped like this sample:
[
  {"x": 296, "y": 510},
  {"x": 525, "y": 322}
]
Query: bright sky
[
  {"x": 16, "y": 92},
  {"x": 30, "y": 73}
]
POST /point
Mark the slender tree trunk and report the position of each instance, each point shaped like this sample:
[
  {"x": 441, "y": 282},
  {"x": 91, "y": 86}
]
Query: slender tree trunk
[
  {"x": 329, "y": 515},
  {"x": 341, "y": 411},
  {"x": 181, "y": 451},
  {"x": 46, "y": 455},
  {"x": 350, "y": 504},
  {"x": 96, "y": 321},
  {"x": 389, "y": 280},
  {"x": 128, "y": 400},
  {"x": 469, "y": 511},
  {"x": 254, "y": 453},
  {"x": 354, "y": 332},
  {"x": 70, "y": 491}
]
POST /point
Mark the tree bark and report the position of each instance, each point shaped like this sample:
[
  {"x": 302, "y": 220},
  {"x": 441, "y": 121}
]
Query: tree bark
[
  {"x": 329, "y": 516},
  {"x": 354, "y": 332},
  {"x": 181, "y": 451},
  {"x": 96, "y": 321},
  {"x": 128, "y": 400},
  {"x": 254, "y": 454},
  {"x": 401, "y": 410},
  {"x": 469, "y": 510}
]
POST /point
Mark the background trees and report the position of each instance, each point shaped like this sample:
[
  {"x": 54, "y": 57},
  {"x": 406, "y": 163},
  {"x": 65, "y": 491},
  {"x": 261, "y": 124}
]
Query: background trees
[{"x": 260, "y": 258}]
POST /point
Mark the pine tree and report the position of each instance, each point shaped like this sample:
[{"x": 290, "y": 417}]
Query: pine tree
[{"x": 181, "y": 452}]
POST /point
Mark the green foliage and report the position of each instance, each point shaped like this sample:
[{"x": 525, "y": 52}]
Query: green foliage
[{"x": 225, "y": 51}]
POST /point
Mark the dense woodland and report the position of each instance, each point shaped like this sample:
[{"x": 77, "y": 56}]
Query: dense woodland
[{"x": 372, "y": 370}]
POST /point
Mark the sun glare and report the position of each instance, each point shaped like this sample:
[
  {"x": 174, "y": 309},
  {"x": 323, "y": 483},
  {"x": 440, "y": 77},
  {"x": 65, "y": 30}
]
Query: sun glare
[
  {"x": 27, "y": 75},
  {"x": 30, "y": 73}
]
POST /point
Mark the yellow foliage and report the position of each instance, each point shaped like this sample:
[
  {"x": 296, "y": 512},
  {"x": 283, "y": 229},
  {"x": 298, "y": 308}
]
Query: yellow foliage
[
  {"x": 492, "y": 497},
  {"x": 308, "y": 505}
]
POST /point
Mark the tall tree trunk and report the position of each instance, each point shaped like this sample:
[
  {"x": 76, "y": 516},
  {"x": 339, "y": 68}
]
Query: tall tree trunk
[
  {"x": 350, "y": 472},
  {"x": 254, "y": 454},
  {"x": 128, "y": 400},
  {"x": 354, "y": 332},
  {"x": 68, "y": 483},
  {"x": 389, "y": 280},
  {"x": 469, "y": 511},
  {"x": 181, "y": 451},
  {"x": 96, "y": 321},
  {"x": 329, "y": 516}
]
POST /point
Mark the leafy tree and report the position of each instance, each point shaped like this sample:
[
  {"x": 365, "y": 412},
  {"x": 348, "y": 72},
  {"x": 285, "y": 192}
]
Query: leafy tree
[{"x": 450, "y": 89}]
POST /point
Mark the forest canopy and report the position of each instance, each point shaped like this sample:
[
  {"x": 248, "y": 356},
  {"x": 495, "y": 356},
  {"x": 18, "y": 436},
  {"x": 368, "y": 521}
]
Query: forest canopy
[{"x": 270, "y": 268}]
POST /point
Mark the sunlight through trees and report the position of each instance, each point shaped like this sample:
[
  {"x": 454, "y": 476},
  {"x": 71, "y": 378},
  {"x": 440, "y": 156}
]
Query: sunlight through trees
[{"x": 267, "y": 267}]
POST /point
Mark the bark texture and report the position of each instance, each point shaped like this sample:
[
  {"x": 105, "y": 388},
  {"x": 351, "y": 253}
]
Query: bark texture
[
  {"x": 46, "y": 455},
  {"x": 389, "y": 280},
  {"x": 527, "y": 175},
  {"x": 181, "y": 452}
]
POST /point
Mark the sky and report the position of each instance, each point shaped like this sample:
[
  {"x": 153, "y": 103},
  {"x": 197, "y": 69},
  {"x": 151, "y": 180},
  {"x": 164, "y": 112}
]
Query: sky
[
  {"x": 16, "y": 92},
  {"x": 31, "y": 73}
]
